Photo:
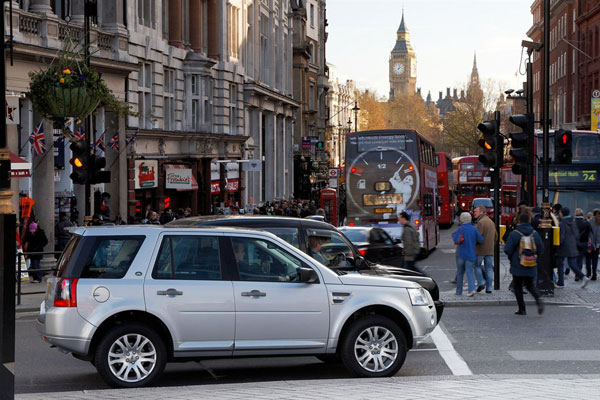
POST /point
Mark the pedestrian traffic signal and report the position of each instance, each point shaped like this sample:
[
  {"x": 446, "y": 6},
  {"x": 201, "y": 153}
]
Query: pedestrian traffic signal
[
  {"x": 79, "y": 161},
  {"x": 563, "y": 146},
  {"x": 521, "y": 143},
  {"x": 320, "y": 145},
  {"x": 492, "y": 144},
  {"x": 97, "y": 175}
]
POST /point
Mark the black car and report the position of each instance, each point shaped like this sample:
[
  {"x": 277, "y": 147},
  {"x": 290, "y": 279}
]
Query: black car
[
  {"x": 334, "y": 249},
  {"x": 375, "y": 244}
]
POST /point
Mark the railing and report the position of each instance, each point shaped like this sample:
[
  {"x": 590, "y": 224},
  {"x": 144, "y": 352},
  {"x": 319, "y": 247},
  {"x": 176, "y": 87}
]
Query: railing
[
  {"x": 105, "y": 41},
  {"x": 70, "y": 32},
  {"x": 29, "y": 25},
  {"x": 20, "y": 256}
]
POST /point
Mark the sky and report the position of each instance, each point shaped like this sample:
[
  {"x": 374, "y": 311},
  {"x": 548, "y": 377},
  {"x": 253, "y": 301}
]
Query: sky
[{"x": 444, "y": 34}]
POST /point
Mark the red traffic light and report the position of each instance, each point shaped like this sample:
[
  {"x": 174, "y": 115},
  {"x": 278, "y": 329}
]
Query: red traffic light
[{"x": 564, "y": 138}]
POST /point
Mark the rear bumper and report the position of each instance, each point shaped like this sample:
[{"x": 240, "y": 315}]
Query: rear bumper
[
  {"x": 439, "y": 308},
  {"x": 65, "y": 329}
]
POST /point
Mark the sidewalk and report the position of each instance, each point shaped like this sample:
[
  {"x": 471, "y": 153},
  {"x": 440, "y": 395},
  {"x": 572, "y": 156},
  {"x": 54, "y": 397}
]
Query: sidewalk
[
  {"x": 570, "y": 294},
  {"x": 443, "y": 387},
  {"x": 31, "y": 302}
]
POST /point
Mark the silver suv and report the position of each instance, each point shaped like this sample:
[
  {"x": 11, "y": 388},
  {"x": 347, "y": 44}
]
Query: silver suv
[{"x": 129, "y": 299}]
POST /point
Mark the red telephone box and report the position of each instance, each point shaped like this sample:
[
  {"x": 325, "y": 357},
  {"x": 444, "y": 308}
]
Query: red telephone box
[{"x": 329, "y": 203}]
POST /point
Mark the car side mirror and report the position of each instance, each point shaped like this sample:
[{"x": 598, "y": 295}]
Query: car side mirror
[
  {"x": 397, "y": 241},
  {"x": 307, "y": 275}
]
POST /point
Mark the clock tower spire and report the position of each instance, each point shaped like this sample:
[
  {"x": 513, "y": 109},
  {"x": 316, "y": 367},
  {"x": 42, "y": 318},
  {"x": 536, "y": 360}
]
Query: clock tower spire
[{"x": 402, "y": 64}]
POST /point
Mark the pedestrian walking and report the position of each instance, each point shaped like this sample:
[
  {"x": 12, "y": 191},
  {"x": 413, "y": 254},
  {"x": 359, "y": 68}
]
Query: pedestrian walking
[
  {"x": 523, "y": 248},
  {"x": 484, "y": 264},
  {"x": 567, "y": 250},
  {"x": 594, "y": 247},
  {"x": 35, "y": 241},
  {"x": 410, "y": 242},
  {"x": 582, "y": 243},
  {"x": 466, "y": 237},
  {"x": 61, "y": 230}
]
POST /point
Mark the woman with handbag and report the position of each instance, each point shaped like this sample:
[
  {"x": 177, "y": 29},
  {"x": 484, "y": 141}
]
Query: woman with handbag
[{"x": 466, "y": 237}]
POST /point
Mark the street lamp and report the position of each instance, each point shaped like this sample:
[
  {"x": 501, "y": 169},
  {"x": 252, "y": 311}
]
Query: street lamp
[{"x": 356, "y": 109}]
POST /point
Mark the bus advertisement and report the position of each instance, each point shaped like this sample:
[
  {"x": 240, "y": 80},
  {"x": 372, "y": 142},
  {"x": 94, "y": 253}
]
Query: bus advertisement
[
  {"x": 446, "y": 196},
  {"x": 391, "y": 171},
  {"x": 472, "y": 181}
]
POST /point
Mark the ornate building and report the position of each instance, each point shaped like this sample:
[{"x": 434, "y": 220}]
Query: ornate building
[{"x": 403, "y": 64}]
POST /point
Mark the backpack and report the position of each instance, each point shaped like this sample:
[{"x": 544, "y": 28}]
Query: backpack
[{"x": 527, "y": 250}]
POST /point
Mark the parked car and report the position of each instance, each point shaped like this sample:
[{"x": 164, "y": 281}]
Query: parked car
[
  {"x": 484, "y": 201},
  {"x": 129, "y": 299},
  {"x": 375, "y": 244},
  {"x": 337, "y": 252}
]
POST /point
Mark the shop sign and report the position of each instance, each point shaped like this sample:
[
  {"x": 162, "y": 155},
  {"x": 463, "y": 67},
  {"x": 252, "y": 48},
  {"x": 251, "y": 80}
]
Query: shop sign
[
  {"x": 306, "y": 141},
  {"x": 178, "y": 178},
  {"x": 146, "y": 174},
  {"x": 252, "y": 166},
  {"x": 233, "y": 177},
  {"x": 12, "y": 110}
]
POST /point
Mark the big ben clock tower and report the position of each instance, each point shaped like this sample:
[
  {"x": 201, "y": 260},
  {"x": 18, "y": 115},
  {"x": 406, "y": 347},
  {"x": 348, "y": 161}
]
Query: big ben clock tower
[{"x": 403, "y": 64}]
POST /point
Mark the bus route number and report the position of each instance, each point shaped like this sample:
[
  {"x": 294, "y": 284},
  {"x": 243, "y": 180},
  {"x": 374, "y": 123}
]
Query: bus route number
[{"x": 589, "y": 176}]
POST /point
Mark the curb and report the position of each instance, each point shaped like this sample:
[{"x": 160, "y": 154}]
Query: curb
[{"x": 500, "y": 303}]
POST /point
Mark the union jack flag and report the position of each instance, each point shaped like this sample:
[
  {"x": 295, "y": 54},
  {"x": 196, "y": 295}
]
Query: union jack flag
[
  {"x": 130, "y": 139},
  {"x": 79, "y": 133},
  {"x": 113, "y": 143},
  {"x": 37, "y": 140},
  {"x": 100, "y": 144}
]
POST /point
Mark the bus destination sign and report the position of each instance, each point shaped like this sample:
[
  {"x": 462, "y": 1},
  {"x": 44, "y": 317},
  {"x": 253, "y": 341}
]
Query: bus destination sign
[{"x": 562, "y": 176}]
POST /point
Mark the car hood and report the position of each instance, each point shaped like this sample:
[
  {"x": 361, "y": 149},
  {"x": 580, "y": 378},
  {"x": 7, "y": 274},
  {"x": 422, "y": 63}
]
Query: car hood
[{"x": 375, "y": 280}]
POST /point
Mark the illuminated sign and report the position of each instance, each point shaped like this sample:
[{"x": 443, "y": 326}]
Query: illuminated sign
[
  {"x": 382, "y": 199},
  {"x": 571, "y": 176},
  {"x": 366, "y": 143}
]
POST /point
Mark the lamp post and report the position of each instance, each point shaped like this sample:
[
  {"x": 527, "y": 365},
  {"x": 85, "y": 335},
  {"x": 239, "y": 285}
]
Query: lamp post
[
  {"x": 356, "y": 109},
  {"x": 340, "y": 128}
]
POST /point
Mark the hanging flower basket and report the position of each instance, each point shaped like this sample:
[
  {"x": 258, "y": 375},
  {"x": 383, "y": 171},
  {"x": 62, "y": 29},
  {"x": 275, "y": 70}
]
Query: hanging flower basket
[{"x": 69, "y": 88}]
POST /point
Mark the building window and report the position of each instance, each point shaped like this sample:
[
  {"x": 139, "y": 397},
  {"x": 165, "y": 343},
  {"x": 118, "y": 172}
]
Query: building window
[
  {"x": 311, "y": 97},
  {"x": 165, "y": 19},
  {"x": 233, "y": 39},
  {"x": 145, "y": 95},
  {"x": 147, "y": 13},
  {"x": 264, "y": 49},
  {"x": 312, "y": 15},
  {"x": 169, "y": 99},
  {"x": 233, "y": 96},
  {"x": 206, "y": 91}
]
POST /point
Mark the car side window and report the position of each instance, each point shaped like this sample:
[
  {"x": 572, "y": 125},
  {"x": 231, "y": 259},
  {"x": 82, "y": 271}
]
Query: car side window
[
  {"x": 191, "y": 257},
  {"x": 110, "y": 257},
  {"x": 386, "y": 238},
  {"x": 289, "y": 235},
  {"x": 262, "y": 261},
  {"x": 375, "y": 236}
]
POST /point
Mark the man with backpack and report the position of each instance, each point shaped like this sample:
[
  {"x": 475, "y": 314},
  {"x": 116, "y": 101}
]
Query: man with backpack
[{"x": 523, "y": 248}]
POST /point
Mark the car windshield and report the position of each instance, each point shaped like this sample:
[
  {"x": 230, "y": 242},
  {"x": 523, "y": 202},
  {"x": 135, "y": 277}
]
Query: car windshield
[
  {"x": 330, "y": 248},
  {"x": 483, "y": 202},
  {"x": 356, "y": 235}
]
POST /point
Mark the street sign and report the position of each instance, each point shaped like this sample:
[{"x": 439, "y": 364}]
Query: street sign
[
  {"x": 306, "y": 142},
  {"x": 333, "y": 183},
  {"x": 333, "y": 172}
]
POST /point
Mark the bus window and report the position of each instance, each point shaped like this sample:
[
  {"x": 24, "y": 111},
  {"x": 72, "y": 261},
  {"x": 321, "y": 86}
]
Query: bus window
[
  {"x": 585, "y": 148},
  {"x": 466, "y": 190},
  {"x": 480, "y": 190}
]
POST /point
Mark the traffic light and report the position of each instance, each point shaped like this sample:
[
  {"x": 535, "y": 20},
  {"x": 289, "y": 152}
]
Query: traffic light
[
  {"x": 563, "y": 146},
  {"x": 97, "y": 175},
  {"x": 79, "y": 161},
  {"x": 522, "y": 143},
  {"x": 492, "y": 144}
]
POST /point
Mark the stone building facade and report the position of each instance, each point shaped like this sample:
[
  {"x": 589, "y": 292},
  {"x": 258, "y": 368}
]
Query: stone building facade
[
  {"x": 574, "y": 61},
  {"x": 341, "y": 99},
  {"x": 310, "y": 87},
  {"x": 40, "y": 29}
]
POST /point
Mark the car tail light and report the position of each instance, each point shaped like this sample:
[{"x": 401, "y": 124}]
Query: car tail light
[
  {"x": 65, "y": 294},
  {"x": 351, "y": 223},
  {"x": 363, "y": 252},
  {"x": 417, "y": 222}
]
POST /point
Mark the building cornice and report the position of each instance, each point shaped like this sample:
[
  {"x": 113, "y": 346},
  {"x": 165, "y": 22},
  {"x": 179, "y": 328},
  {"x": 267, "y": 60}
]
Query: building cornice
[{"x": 260, "y": 90}]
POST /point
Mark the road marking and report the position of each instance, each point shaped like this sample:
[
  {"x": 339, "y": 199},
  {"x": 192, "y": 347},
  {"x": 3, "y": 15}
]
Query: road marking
[
  {"x": 556, "y": 355},
  {"x": 453, "y": 360}
]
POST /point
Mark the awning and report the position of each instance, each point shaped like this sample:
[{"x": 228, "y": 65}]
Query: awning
[
  {"x": 180, "y": 181},
  {"x": 19, "y": 168}
]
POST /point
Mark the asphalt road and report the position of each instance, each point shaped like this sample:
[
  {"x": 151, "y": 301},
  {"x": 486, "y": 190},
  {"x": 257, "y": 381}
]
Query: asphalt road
[{"x": 489, "y": 339}]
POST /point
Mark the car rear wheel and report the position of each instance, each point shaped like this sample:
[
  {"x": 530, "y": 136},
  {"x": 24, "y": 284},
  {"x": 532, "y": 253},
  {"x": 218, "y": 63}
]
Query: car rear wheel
[
  {"x": 373, "y": 347},
  {"x": 131, "y": 355}
]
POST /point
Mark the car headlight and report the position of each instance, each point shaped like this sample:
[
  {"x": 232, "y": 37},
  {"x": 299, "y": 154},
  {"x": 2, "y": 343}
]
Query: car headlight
[{"x": 418, "y": 296}]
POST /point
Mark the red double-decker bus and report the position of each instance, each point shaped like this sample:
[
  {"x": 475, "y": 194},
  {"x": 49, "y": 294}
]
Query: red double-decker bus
[
  {"x": 510, "y": 194},
  {"x": 472, "y": 181},
  {"x": 446, "y": 196}
]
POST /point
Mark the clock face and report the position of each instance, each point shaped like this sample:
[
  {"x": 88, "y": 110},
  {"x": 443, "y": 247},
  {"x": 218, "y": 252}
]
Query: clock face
[
  {"x": 399, "y": 68},
  {"x": 383, "y": 178}
]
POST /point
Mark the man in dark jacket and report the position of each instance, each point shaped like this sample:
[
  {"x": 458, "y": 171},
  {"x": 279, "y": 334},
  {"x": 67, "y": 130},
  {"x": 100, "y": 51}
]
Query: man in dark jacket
[
  {"x": 410, "y": 242},
  {"x": 523, "y": 275},
  {"x": 569, "y": 237},
  {"x": 62, "y": 234},
  {"x": 35, "y": 241},
  {"x": 582, "y": 243}
]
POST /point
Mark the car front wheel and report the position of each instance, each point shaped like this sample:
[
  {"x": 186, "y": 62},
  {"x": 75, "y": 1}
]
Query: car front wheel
[
  {"x": 374, "y": 346},
  {"x": 130, "y": 355}
]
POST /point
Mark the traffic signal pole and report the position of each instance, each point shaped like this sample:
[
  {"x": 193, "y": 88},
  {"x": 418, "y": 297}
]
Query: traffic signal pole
[
  {"x": 530, "y": 193},
  {"x": 88, "y": 120},
  {"x": 496, "y": 181},
  {"x": 8, "y": 231},
  {"x": 546, "y": 264}
]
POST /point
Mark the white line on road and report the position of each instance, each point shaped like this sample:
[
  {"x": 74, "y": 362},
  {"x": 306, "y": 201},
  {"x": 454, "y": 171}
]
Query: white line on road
[{"x": 453, "y": 360}]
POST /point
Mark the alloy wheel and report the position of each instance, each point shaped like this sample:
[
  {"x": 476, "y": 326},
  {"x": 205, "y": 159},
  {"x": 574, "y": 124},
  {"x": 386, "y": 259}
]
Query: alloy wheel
[
  {"x": 376, "y": 349},
  {"x": 132, "y": 357}
]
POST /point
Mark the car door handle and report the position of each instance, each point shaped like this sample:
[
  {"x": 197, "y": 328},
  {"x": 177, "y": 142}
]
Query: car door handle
[
  {"x": 254, "y": 293},
  {"x": 169, "y": 292}
]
